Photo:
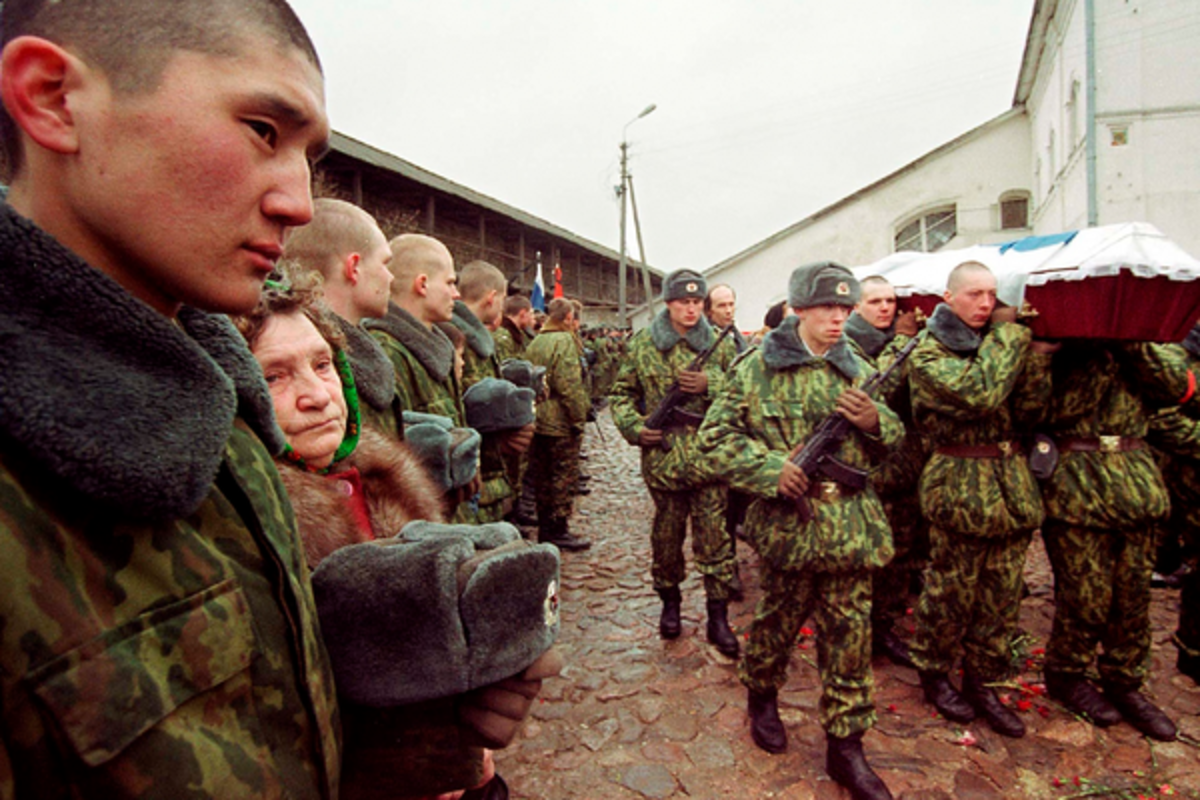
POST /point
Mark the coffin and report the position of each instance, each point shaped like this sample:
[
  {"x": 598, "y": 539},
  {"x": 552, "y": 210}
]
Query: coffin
[{"x": 1125, "y": 281}]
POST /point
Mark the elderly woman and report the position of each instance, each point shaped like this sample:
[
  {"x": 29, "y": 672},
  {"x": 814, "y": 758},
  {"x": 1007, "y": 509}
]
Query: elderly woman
[{"x": 349, "y": 484}]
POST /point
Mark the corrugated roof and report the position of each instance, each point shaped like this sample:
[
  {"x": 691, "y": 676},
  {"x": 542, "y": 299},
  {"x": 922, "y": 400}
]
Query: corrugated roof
[{"x": 367, "y": 154}]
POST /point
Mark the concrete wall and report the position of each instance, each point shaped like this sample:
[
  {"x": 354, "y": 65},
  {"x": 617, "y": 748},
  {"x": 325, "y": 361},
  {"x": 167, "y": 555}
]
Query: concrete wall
[
  {"x": 1147, "y": 118},
  {"x": 971, "y": 174}
]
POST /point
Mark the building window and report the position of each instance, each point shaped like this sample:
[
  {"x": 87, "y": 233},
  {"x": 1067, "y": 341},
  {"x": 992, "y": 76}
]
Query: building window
[
  {"x": 928, "y": 232},
  {"x": 1014, "y": 210}
]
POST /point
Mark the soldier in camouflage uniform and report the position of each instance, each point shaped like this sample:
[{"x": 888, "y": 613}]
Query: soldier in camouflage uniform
[
  {"x": 772, "y": 402},
  {"x": 477, "y": 315},
  {"x": 560, "y": 420},
  {"x": 512, "y": 336},
  {"x": 878, "y": 333},
  {"x": 973, "y": 382},
  {"x": 423, "y": 293},
  {"x": 158, "y": 636},
  {"x": 345, "y": 245},
  {"x": 657, "y": 358},
  {"x": 1175, "y": 431},
  {"x": 1103, "y": 506}
]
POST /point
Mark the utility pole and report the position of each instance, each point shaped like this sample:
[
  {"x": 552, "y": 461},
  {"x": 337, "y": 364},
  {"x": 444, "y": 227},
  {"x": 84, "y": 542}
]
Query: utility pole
[{"x": 622, "y": 280}]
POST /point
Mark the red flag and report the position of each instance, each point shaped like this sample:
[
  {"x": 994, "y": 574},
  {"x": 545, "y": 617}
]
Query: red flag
[{"x": 558, "y": 292}]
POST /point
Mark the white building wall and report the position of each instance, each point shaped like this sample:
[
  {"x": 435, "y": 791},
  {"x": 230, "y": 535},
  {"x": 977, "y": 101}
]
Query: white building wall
[
  {"x": 1148, "y": 96},
  {"x": 971, "y": 175}
]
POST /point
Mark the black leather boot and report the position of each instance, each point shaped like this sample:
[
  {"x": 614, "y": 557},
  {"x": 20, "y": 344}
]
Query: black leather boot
[
  {"x": 945, "y": 698},
  {"x": 766, "y": 728},
  {"x": 1080, "y": 697},
  {"x": 987, "y": 705},
  {"x": 718, "y": 629},
  {"x": 1139, "y": 712},
  {"x": 557, "y": 534},
  {"x": 669, "y": 624},
  {"x": 845, "y": 763},
  {"x": 887, "y": 643}
]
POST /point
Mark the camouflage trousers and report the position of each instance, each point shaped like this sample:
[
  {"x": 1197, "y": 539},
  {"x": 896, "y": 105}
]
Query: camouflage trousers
[
  {"x": 554, "y": 462},
  {"x": 1101, "y": 596},
  {"x": 840, "y": 604},
  {"x": 711, "y": 548},
  {"x": 910, "y": 537},
  {"x": 971, "y": 599}
]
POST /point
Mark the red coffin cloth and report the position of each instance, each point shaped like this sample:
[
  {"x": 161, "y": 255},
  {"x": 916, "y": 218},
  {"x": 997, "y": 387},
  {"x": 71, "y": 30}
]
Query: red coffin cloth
[{"x": 1121, "y": 306}]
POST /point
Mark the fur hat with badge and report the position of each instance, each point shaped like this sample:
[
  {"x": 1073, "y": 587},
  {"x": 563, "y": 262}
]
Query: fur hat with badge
[
  {"x": 823, "y": 284},
  {"x": 684, "y": 283}
]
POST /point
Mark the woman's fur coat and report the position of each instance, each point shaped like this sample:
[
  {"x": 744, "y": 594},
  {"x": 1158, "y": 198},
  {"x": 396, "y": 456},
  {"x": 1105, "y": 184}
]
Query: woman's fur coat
[{"x": 396, "y": 483}]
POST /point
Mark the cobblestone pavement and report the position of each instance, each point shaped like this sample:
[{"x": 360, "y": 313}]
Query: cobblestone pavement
[{"x": 636, "y": 717}]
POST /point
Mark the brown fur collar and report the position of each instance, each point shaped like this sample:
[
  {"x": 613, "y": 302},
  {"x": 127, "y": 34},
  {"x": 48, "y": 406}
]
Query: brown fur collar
[{"x": 398, "y": 488}]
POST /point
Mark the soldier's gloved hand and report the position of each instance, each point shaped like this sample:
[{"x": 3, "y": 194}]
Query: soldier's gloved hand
[
  {"x": 906, "y": 323},
  {"x": 517, "y": 441},
  {"x": 793, "y": 482},
  {"x": 858, "y": 407},
  {"x": 496, "y": 712},
  {"x": 650, "y": 437},
  {"x": 693, "y": 382}
]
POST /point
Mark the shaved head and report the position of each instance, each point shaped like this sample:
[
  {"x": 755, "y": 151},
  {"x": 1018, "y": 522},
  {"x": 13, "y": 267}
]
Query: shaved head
[
  {"x": 964, "y": 272},
  {"x": 478, "y": 278},
  {"x": 414, "y": 254},
  {"x": 337, "y": 229}
]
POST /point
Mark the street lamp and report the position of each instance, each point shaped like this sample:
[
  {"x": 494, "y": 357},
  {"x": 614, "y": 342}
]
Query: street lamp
[{"x": 623, "y": 311}]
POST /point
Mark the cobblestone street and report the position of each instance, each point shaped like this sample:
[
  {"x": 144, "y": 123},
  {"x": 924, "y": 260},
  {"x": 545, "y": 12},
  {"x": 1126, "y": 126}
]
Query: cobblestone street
[{"x": 636, "y": 717}]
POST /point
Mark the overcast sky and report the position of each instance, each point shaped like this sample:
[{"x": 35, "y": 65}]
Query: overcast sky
[{"x": 768, "y": 110}]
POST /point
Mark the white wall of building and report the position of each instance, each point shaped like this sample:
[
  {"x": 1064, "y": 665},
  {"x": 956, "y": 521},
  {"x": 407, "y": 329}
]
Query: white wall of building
[
  {"x": 1147, "y": 118},
  {"x": 970, "y": 173}
]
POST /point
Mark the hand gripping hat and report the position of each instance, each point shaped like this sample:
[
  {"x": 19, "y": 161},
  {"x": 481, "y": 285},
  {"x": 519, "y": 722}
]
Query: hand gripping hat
[
  {"x": 684, "y": 283},
  {"x": 451, "y": 454},
  {"x": 495, "y": 405},
  {"x": 822, "y": 284},
  {"x": 437, "y": 611}
]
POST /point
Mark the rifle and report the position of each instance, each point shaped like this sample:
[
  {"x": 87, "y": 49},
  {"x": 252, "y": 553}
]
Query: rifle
[
  {"x": 816, "y": 457},
  {"x": 667, "y": 409}
]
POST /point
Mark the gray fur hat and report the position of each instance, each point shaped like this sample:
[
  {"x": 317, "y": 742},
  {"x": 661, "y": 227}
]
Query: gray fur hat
[
  {"x": 495, "y": 405},
  {"x": 435, "y": 612},
  {"x": 524, "y": 374},
  {"x": 451, "y": 454},
  {"x": 822, "y": 284},
  {"x": 684, "y": 283}
]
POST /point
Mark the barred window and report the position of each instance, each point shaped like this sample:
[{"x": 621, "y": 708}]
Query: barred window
[
  {"x": 928, "y": 232},
  {"x": 1014, "y": 210}
]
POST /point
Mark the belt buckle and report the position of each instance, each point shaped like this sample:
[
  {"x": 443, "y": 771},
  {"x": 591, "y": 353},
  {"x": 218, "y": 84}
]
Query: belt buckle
[
  {"x": 1110, "y": 444},
  {"x": 830, "y": 491},
  {"x": 1006, "y": 449}
]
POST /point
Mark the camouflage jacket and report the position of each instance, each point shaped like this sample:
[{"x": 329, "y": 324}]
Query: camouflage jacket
[
  {"x": 424, "y": 364},
  {"x": 158, "y": 636},
  {"x": 1175, "y": 432},
  {"x": 479, "y": 362},
  {"x": 564, "y": 411},
  {"x": 653, "y": 360},
  {"x": 1109, "y": 390},
  {"x": 977, "y": 388},
  {"x": 510, "y": 340},
  {"x": 375, "y": 380},
  {"x": 776, "y": 395}
]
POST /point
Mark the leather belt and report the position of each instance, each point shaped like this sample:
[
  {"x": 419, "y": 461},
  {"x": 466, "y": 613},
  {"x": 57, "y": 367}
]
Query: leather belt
[
  {"x": 830, "y": 491},
  {"x": 1101, "y": 444},
  {"x": 998, "y": 450}
]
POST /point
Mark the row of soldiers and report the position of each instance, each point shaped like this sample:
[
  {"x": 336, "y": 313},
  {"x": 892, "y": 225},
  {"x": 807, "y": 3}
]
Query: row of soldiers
[
  {"x": 427, "y": 340},
  {"x": 980, "y": 436}
]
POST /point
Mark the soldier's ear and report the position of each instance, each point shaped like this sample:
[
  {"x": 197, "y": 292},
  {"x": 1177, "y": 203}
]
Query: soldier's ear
[
  {"x": 421, "y": 285},
  {"x": 36, "y": 79}
]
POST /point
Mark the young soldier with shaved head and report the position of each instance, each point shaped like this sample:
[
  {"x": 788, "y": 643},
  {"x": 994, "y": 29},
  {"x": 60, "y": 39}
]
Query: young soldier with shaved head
[
  {"x": 977, "y": 380},
  {"x": 158, "y": 635},
  {"x": 345, "y": 245}
]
